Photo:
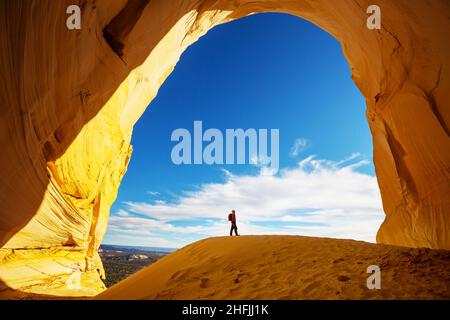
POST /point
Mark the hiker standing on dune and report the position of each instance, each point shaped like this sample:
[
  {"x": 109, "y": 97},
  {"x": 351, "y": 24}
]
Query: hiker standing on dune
[{"x": 232, "y": 219}]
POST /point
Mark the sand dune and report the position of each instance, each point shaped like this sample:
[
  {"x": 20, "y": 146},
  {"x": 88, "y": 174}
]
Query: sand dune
[{"x": 288, "y": 267}]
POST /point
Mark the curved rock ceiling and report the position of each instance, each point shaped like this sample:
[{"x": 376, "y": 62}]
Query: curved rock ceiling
[{"x": 70, "y": 99}]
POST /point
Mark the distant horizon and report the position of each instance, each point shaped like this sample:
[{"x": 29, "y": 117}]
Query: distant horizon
[{"x": 138, "y": 247}]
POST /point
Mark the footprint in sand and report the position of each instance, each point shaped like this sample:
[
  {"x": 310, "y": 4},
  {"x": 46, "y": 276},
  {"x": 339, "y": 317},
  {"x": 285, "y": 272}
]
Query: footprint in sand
[
  {"x": 229, "y": 268},
  {"x": 310, "y": 287},
  {"x": 204, "y": 283},
  {"x": 180, "y": 275},
  {"x": 338, "y": 260},
  {"x": 343, "y": 278}
]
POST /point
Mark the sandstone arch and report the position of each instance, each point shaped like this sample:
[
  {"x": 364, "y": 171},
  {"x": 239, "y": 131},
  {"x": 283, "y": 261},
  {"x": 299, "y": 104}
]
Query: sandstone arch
[{"x": 70, "y": 99}]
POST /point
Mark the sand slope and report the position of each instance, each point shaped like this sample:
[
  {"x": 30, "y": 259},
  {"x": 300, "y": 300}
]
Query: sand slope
[{"x": 288, "y": 267}]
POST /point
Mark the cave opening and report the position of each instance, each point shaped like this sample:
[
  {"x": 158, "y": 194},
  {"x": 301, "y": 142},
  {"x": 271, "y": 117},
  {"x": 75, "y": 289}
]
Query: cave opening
[{"x": 265, "y": 71}]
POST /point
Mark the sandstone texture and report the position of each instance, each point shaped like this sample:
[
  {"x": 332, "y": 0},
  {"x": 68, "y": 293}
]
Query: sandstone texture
[{"x": 70, "y": 98}]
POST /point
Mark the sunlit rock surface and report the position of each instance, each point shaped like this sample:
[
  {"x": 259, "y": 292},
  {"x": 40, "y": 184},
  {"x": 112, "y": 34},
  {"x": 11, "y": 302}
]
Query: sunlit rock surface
[{"x": 70, "y": 98}]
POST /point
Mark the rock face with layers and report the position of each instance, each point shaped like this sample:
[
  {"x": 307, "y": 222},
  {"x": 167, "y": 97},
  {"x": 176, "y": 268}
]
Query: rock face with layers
[{"x": 70, "y": 98}]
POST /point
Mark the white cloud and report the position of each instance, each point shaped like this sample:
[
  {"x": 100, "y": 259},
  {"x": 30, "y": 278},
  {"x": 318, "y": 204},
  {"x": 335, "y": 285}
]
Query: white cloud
[
  {"x": 147, "y": 241},
  {"x": 316, "y": 198},
  {"x": 299, "y": 145},
  {"x": 122, "y": 213}
]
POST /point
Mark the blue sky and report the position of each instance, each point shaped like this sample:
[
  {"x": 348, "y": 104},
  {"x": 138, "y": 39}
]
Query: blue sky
[{"x": 271, "y": 71}]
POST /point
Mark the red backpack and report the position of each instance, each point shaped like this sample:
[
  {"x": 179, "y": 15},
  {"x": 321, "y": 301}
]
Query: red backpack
[{"x": 230, "y": 217}]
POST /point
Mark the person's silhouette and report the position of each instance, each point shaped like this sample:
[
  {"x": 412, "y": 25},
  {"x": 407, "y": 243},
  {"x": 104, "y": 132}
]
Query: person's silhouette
[{"x": 232, "y": 219}]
